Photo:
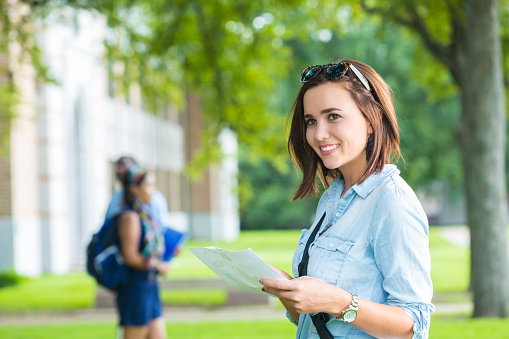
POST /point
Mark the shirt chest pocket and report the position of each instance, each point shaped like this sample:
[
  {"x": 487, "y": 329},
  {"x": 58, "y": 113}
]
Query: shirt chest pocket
[{"x": 328, "y": 256}]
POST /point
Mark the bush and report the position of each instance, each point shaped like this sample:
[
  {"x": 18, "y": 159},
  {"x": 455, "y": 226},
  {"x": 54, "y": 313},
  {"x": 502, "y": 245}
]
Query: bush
[{"x": 10, "y": 278}]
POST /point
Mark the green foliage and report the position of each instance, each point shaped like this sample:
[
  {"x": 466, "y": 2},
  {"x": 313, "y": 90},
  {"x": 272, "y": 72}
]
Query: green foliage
[
  {"x": 10, "y": 278},
  {"x": 271, "y": 206},
  {"x": 17, "y": 47},
  {"x": 228, "y": 53},
  {"x": 17, "y": 27},
  {"x": 8, "y": 99}
]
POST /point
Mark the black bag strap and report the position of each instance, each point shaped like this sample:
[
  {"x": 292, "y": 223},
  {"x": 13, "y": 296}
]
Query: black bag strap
[
  {"x": 303, "y": 265},
  {"x": 319, "y": 319}
]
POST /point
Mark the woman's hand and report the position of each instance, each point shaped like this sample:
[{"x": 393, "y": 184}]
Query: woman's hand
[
  {"x": 280, "y": 271},
  {"x": 308, "y": 295},
  {"x": 176, "y": 251},
  {"x": 162, "y": 267}
]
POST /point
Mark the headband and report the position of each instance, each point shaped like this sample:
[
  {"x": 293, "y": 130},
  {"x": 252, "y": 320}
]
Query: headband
[{"x": 135, "y": 175}]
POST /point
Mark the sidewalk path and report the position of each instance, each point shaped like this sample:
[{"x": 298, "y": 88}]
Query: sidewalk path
[
  {"x": 458, "y": 236},
  {"x": 184, "y": 314},
  {"x": 171, "y": 314}
]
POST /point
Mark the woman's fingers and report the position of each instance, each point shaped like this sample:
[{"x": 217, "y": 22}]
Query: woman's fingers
[
  {"x": 277, "y": 284},
  {"x": 280, "y": 271},
  {"x": 279, "y": 288}
]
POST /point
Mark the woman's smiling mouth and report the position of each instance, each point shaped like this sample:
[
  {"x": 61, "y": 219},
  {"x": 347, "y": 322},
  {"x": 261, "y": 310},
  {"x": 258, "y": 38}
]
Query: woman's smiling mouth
[{"x": 328, "y": 147}]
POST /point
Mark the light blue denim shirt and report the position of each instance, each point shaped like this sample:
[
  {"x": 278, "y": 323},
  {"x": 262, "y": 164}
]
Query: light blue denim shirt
[{"x": 377, "y": 248}]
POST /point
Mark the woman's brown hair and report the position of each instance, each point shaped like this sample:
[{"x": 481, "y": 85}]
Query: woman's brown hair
[{"x": 377, "y": 107}]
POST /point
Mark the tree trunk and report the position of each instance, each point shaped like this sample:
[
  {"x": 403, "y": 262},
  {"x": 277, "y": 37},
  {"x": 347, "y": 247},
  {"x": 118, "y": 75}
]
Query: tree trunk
[{"x": 482, "y": 138}]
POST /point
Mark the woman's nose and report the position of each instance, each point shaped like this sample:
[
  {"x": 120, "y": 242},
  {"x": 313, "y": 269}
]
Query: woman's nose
[{"x": 322, "y": 131}]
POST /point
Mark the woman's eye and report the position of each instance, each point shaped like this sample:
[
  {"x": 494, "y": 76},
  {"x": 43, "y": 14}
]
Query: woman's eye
[
  {"x": 310, "y": 122},
  {"x": 334, "y": 116}
]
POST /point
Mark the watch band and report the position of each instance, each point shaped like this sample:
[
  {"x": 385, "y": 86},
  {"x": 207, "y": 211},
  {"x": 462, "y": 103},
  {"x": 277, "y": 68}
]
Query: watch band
[{"x": 350, "y": 313}]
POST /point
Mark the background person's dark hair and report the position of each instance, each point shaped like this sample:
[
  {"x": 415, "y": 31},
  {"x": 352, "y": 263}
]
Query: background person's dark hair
[
  {"x": 129, "y": 197},
  {"x": 378, "y": 109},
  {"x": 122, "y": 166}
]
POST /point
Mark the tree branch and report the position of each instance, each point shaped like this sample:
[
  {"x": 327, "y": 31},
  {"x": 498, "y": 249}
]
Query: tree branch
[{"x": 444, "y": 53}]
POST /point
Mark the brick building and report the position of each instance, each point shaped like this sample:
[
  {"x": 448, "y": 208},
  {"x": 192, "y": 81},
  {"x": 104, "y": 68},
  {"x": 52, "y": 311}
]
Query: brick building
[{"x": 56, "y": 178}]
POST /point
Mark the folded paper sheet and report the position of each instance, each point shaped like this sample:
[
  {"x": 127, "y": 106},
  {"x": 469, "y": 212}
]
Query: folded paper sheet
[{"x": 242, "y": 269}]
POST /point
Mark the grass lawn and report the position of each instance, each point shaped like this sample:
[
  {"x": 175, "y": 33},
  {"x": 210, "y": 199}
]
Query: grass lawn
[
  {"x": 201, "y": 330},
  {"x": 49, "y": 293},
  {"x": 450, "y": 265},
  {"x": 467, "y": 328},
  {"x": 441, "y": 328}
]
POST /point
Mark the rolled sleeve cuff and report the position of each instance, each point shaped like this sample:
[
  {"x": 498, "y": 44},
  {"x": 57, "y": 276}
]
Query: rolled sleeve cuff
[
  {"x": 421, "y": 314},
  {"x": 291, "y": 319}
]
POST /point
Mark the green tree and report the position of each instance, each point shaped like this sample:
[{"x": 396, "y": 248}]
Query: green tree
[
  {"x": 16, "y": 28},
  {"x": 464, "y": 36}
]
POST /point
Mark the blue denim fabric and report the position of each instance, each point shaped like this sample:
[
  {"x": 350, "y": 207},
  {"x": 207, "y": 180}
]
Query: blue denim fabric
[{"x": 377, "y": 248}]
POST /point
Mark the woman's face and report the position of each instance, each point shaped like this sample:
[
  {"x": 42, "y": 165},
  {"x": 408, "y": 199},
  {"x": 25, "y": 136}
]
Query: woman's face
[
  {"x": 336, "y": 129},
  {"x": 145, "y": 189}
]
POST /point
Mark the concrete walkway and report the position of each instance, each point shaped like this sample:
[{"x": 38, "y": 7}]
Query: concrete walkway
[
  {"x": 185, "y": 314},
  {"x": 458, "y": 236},
  {"x": 171, "y": 314}
]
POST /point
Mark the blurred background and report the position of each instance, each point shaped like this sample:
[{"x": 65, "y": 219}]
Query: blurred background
[{"x": 199, "y": 93}]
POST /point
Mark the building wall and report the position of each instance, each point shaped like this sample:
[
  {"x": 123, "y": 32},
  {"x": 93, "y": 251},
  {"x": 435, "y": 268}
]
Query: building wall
[
  {"x": 213, "y": 198},
  {"x": 6, "y": 228},
  {"x": 20, "y": 224}
]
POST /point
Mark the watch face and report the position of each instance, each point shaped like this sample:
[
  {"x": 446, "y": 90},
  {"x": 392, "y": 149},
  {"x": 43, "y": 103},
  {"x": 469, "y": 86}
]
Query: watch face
[{"x": 349, "y": 315}]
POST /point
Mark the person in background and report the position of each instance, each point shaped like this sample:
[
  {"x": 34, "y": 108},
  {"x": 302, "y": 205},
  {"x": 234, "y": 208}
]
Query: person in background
[
  {"x": 158, "y": 205},
  {"x": 363, "y": 268},
  {"x": 142, "y": 246}
]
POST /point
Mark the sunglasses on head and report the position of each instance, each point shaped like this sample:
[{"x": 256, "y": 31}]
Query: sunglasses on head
[{"x": 332, "y": 71}]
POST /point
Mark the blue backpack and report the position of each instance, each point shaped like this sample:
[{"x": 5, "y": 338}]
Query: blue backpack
[{"x": 104, "y": 260}]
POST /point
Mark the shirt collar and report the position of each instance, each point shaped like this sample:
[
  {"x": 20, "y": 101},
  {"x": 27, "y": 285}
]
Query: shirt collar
[{"x": 374, "y": 180}]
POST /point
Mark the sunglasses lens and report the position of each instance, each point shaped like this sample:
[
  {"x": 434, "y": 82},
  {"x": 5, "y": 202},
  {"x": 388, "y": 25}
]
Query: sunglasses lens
[
  {"x": 335, "y": 71},
  {"x": 309, "y": 72}
]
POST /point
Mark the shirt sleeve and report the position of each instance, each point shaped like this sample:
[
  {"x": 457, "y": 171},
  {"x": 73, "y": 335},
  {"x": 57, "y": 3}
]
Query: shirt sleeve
[
  {"x": 115, "y": 205},
  {"x": 159, "y": 209},
  {"x": 399, "y": 239}
]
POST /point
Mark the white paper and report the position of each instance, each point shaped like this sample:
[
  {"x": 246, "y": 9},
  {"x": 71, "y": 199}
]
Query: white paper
[{"x": 242, "y": 269}]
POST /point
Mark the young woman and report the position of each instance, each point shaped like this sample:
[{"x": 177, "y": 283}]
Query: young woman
[
  {"x": 363, "y": 269},
  {"x": 142, "y": 247}
]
